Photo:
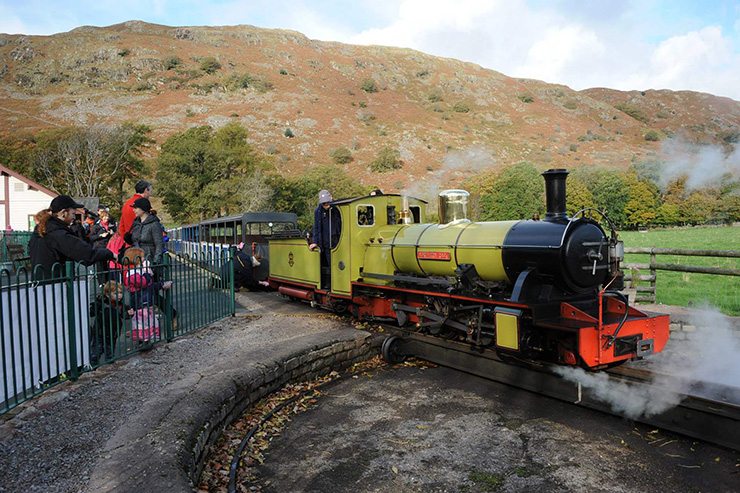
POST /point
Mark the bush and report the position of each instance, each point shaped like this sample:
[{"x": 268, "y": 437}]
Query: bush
[
  {"x": 526, "y": 98},
  {"x": 209, "y": 65},
  {"x": 461, "y": 107},
  {"x": 341, "y": 155},
  {"x": 388, "y": 159},
  {"x": 632, "y": 111},
  {"x": 570, "y": 104},
  {"x": 283, "y": 71},
  {"x": 369, "y": 85},
  {"x": 573, "y": 148},
  {"x": 652, "y": 136},
  {"x": 435, "y": 97},
  {"x": 124, "y": 52},
  {"x": 172, "y": 62},
  {"x": 142, "y": 86},
  {"x": 289, "y": 133},
  {"x": 363, "y": 104}
]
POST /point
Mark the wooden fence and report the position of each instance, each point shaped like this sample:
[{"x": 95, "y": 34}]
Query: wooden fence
[{"x": 646, "y": 293}]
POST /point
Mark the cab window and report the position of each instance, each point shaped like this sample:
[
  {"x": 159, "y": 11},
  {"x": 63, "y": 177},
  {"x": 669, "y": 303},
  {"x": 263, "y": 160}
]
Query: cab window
[
  {"x": 415, "y": 213},
  {"x": 365, "y": 215}
]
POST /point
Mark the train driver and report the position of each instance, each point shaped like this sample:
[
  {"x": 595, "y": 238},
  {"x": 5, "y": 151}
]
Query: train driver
[{"x": 327, "y": 225}]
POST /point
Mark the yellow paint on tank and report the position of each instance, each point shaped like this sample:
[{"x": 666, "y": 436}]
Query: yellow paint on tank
[
  {"x": 434, "y": 249},
  {"x": 291, "y": 260},
  {"x": 481, "y": 244}
]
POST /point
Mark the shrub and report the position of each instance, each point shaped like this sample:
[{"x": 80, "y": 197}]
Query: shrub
[
  {"x": 172, "y": 62},
  {"x": 142, "y": 86},
  {"x": 209, "y": 65},
  {"x": 283, "y": 71},
  {"x": 570, "y": 104},
  {"x": 341, "y": 155},
  {"x": 573, "y": 148},
  {"x": 435, "y": 97},
  {"x": 289, "y": 133},
  {"x": 124, "y": 52},
  {"x": 632, "y": 111},
  {"x": 461, "y": 107},
  {"x": 388, "y": 159},
  {"x": 363, "y": 104},
  {"x": 526, "y": 98},
  {"x": 652, "y": 136},
  {"x": 369, "y": 85},
  {"x": 422, "y": 73}
]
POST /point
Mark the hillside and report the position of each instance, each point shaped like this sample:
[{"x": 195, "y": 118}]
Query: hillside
[{"x": 427, "y": 107}]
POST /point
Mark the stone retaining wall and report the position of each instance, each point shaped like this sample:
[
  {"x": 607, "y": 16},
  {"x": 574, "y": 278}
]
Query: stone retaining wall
[{"x": 300, "y": 366}]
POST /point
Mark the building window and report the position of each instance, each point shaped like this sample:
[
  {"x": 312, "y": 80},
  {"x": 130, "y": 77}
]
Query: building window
[{"x": 19, "y": 187}]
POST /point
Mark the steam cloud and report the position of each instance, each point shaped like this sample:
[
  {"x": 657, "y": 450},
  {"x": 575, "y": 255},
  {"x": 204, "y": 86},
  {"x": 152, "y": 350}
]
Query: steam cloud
[
  {"x": 702, "y": 165},
  {"x": 456, "y": 163},
  {"x": 712, "y": 357}
]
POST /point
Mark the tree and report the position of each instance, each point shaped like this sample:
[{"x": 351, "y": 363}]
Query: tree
[
  {"x": 698, "y": 208},
  {"x": 610, "y": 193},
  {"x": 300, "y": 194},
  {"x": 202, "y": 173},
  {"x": 516, "y": 193},
  {"x": 668, "y": 214},
  {"x": 578, "y": 196},
  {"x": 90, "y": 162},
  {"x": 642, "y": 202}
]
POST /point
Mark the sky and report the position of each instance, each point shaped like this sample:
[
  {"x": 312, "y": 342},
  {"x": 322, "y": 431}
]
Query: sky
[{"x": 621, "y": 44}]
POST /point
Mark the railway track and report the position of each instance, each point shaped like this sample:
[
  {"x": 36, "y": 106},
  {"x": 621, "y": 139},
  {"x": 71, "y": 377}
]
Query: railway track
[{"x": 710, "y": 420}]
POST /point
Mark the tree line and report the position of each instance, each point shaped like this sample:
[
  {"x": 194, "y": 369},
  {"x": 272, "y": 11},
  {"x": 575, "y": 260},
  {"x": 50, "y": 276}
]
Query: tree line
[
  {"x": 631, "y": 198},
  {"x": 204, "y": 172}
]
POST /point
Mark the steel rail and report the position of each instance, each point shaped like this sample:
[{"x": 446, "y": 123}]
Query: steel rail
[{"x": 697, "y": 417}]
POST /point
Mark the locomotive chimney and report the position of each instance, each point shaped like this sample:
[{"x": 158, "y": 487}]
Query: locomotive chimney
[{"x": 555, "y": 193}]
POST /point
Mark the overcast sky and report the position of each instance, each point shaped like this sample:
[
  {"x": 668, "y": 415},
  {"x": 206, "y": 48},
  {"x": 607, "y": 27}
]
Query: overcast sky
[{"x": 647, "y": 44}]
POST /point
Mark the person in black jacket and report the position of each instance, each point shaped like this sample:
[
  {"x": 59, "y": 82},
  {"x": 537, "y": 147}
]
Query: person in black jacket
[
  {"x": 53, "y": 242},
  {"x": 146, "y": 232},
  {"x": 327, "y": 226}
]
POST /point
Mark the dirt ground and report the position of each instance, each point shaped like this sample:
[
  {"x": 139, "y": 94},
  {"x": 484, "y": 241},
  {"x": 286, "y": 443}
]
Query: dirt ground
[{"x": 408, "y": 429}]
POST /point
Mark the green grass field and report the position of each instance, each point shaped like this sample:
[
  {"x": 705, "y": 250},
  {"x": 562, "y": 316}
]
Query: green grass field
[{"x": 686, "y": 289}]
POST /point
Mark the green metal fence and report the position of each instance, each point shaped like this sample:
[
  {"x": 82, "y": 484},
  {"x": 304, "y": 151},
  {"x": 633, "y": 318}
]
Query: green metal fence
[{"x": 76, "y": 318}]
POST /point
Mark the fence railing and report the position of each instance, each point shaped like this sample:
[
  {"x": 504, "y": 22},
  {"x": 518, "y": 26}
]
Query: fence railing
[
  {"x": 647, "y": 293},
  {"x": 75, "y": 318}
]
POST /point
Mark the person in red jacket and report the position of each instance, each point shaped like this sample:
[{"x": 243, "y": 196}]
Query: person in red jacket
[{"x": 143, "y": 190}]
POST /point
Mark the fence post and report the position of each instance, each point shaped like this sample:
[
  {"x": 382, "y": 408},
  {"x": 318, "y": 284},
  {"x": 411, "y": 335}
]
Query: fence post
[
  {"x": 653, "y": 274},
  {"x": 71, "y": 321},
  {"x": 168, "y": 329},
  {"x": 232, "y": 291}
]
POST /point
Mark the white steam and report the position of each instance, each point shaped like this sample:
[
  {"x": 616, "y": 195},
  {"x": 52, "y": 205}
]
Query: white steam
[
  {"x": 696, "y": 366},
  {"x": 456, "y": 165},
  {"x": 702, "y": 165}
]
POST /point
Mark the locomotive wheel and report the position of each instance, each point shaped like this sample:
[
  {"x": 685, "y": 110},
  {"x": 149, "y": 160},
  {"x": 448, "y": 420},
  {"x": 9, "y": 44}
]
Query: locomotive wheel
[{"x": 390, "y": 350}]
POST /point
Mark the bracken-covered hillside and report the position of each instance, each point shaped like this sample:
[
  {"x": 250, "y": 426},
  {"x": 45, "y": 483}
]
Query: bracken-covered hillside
[{"x": 333, "y": 95}]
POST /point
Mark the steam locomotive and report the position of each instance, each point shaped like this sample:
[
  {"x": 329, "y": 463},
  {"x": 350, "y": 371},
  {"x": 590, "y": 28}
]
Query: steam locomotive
[{"x": 533, "y": 289}]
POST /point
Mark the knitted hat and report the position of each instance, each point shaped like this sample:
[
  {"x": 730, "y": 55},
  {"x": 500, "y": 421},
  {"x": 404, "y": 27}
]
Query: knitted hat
[{"x": 324, "y": 197}]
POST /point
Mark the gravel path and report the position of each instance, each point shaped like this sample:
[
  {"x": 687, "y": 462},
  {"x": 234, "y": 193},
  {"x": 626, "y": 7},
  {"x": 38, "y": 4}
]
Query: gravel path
[{"x": 53, "y": 444}]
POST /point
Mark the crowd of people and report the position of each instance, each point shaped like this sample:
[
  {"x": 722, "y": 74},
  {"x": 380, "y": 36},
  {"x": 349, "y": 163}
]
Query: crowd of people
[{"x": 127, "y": 257}]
